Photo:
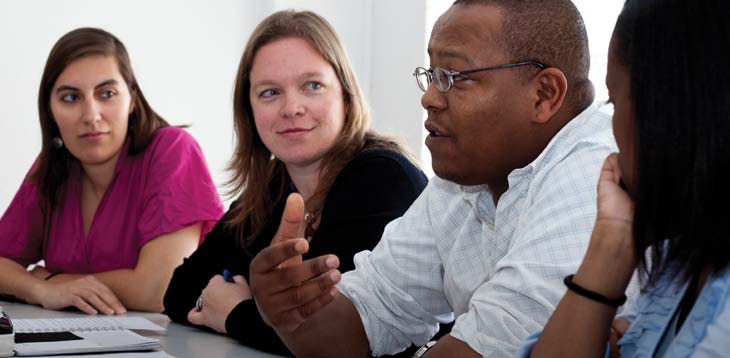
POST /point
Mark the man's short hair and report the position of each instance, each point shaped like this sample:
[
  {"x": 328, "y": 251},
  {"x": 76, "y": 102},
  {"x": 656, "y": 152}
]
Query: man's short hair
[{"x": 548, "y": 31}]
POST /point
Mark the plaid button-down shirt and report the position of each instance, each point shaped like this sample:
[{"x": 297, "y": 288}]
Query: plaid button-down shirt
[{"x": 497, "y": 269}]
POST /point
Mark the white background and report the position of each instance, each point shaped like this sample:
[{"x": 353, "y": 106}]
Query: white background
[{"x": 185, "y": 54}]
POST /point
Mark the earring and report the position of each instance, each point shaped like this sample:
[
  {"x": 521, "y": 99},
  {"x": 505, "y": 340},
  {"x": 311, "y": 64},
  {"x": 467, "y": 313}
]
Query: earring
[{"x": 57, "y": 142}]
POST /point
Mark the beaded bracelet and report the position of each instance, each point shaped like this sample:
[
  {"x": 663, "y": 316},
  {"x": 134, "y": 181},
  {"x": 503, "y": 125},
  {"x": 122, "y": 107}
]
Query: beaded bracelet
[{"x": 568, "y": 280}]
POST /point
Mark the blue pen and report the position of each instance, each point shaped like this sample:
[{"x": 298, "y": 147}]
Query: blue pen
[{"x": 227, "y": 276}]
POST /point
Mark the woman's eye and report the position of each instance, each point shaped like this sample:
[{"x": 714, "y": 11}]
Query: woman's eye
[
  {"x": 70, "y": 97},
  {"x": 108, "y": 94},
  {"x": 313, "y": 85},
  {"x": 268, "y": 93}
]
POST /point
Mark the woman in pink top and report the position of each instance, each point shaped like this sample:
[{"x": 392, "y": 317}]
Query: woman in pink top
[{"x": 115, "y": 200}]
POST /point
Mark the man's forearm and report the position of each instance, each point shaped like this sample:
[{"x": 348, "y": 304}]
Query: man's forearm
[{"x": 449, "y": 346}]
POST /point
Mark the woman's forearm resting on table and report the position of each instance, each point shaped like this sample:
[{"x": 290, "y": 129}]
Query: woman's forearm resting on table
[
  {"x": 15, "y": 280},
  {"x": 141, "y": 288}
]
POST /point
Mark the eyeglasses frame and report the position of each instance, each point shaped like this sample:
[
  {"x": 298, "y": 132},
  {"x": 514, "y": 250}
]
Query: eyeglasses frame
[{"x": 451, "y": 74}]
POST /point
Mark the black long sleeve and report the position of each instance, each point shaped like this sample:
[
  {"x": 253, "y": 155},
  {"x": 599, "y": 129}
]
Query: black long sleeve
[{"x": 376, "y": 187}]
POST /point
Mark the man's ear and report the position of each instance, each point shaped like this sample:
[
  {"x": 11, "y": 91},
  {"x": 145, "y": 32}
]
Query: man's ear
[{"x": 551, "y": 87}]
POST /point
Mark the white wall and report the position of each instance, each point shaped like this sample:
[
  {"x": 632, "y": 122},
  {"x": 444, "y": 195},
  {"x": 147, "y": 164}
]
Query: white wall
[
  {"x": 185, "y": 54},
  {"x": 600, "y": 18}
]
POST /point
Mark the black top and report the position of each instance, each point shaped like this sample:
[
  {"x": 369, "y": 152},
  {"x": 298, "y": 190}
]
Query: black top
[{"x": 376, "y": 187}]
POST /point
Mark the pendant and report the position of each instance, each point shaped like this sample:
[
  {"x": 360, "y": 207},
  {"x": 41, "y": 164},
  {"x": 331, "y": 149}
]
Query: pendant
[{"x": 310, "y": 219}]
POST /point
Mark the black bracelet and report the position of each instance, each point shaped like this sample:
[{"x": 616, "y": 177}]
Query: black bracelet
[
  {"x": 51, "y": 276},
  {"x": 568, "y": 280}
]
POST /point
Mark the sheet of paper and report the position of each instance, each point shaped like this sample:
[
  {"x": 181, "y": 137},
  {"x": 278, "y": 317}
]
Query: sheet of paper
[
  {"x": 138, "y": 323},
  {"x": 31, "y": 325},
  {"x": 92, "y": 342},
  {"x": 159, "y": 354}
]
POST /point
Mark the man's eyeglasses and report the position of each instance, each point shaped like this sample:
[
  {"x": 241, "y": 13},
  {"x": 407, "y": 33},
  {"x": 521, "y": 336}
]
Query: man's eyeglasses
[{"x": 444, "y": 79}]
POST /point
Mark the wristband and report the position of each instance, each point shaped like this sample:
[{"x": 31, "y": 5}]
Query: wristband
[{"x": 568, "y": 280}]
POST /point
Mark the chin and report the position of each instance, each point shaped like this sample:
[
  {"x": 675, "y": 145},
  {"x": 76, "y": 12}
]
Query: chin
[
  {"x": 447, "y": 174},
  {"x": 95, "y": 159},
  {"x": 456, "y": 176},
  {"x": 299, "y": 161}
]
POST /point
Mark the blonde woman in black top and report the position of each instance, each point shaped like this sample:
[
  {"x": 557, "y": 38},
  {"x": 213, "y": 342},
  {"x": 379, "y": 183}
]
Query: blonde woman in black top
[{"x": 302, "y": 126}]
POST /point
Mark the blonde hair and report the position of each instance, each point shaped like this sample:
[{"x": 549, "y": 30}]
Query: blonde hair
[{"x": 252, "y": 165}]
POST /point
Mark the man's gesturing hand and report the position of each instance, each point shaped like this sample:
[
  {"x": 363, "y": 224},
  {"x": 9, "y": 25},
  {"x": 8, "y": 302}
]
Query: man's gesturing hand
[{"x": 286, "y": 289}]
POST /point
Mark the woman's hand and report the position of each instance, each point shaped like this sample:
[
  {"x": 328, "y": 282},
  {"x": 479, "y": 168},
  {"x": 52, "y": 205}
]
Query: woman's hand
[
  {"x": 618, "y": 328},
  {"x": 615, "y": 206},
  {"x": 610, "y": 259},
  {"x": 86, "y": 293},
  {"x": 219, "y": 299}
]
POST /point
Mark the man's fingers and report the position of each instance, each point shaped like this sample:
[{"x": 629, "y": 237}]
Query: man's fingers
[
  {"x": 300, "y": 295},
  {"x": 272, "y": 256},
  {"x": 292, "y": 276},
  {"x": 316, "y": 304},
  {"x": 290, "y": 320},
  {"x": 292, "y": 221}
]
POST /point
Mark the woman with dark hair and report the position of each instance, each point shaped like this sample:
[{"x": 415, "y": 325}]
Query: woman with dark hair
[
  {"x": 662, "y": 201},
  {"x": 115, "y": 200},
  {"x": 302, "y": 126}
]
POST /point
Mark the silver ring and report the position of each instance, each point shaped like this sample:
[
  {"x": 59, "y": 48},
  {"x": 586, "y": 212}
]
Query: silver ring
[{"x": 199, "y": 303}]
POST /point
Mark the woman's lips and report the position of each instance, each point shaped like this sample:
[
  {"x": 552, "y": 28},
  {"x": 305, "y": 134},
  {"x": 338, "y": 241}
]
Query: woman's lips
[
  {"x": 295, "y": 132},
  {"x": 93, "y": 136}
]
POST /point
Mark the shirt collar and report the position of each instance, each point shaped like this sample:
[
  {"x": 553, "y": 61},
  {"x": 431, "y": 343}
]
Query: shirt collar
[
  {"x": 557, "y": 144},
  {"x": 480, "y": 196}
]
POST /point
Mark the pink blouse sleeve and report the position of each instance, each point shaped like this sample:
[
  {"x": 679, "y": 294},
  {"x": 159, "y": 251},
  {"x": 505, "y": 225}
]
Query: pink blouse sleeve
[
  {"x": 178, "y": 190},
  {"x": 21, "y": 227}
]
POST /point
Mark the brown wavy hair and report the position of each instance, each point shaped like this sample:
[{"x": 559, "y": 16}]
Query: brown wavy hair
[
  {"x": 52, "y": 166},
  {"x": 252, "y": 166}
]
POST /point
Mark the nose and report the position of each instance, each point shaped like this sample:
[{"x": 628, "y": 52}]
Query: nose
[
  {"x": 292, "y": 106},
  {"x": 433, "y": 100},
  {"x": 91, "y": 111}
]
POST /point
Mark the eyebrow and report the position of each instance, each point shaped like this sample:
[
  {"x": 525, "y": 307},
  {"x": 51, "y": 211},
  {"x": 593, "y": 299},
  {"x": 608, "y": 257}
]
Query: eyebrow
[
  {"x": 72, "y": 88},
  {"x": 311, "y": 74},
  {"x": 304, "y": 75},
  {"x": 446, "y": 54}
]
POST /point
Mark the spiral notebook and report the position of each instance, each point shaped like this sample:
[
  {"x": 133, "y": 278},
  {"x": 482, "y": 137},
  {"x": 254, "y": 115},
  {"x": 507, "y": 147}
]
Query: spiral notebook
[{"x": 52, "y": 336}]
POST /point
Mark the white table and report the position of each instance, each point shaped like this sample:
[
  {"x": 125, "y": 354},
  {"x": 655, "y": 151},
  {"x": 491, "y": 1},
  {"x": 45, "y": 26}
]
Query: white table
[{"x": 179, "y": 340}]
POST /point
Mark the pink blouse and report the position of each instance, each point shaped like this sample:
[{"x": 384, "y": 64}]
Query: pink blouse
[{"x": 162, "y": 190}]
